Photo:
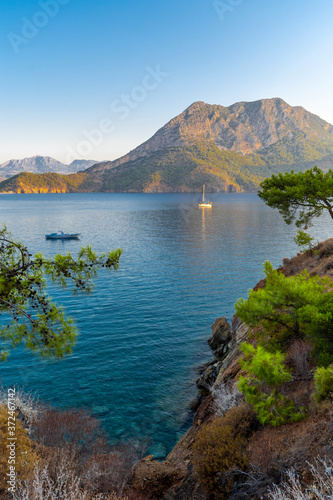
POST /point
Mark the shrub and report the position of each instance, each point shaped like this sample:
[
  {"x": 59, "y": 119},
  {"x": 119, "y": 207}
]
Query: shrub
[
  {"x": 303, "y": 240},
  {"x": 25, "y": 456},
  {"x": 265, "y": 372},
  {"x": 286, "y": 308},
  {"x": 220, "y": 446},
  {"x": 73, "y": 430},
  {"x": 26, "y": 404},
  {"x": 61, "y": 483},
  {"x": 112, "y": 472},
  {"x": 320, "y": 330},
  {"x": 323, "y": 378},
  {"x": 322, "y": 487}
]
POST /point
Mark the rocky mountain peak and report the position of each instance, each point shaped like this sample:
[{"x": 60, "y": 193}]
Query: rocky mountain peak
[{"x": 243, "y": 127}]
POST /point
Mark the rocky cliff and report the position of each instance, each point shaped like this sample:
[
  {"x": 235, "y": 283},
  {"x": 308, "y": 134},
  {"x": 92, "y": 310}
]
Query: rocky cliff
[{"x": 271, "y": 450}]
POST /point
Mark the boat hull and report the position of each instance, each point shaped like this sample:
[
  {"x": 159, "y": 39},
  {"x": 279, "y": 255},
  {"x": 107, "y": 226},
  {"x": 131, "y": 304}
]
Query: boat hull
[{"x": 62, "y": 236}]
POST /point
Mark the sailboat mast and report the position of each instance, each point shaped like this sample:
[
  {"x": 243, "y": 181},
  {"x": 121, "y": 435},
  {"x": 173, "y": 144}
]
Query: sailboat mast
[{"x": 203, "y": 193}]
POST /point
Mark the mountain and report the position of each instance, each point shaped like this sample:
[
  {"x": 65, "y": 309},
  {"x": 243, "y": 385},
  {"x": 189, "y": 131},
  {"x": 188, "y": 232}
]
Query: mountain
[
  {"x": 244, "y": 128},
  {"x": 227, "y": 148},
  {"x": 78, "y": 165},
  {"x": 42, "y": 164}
]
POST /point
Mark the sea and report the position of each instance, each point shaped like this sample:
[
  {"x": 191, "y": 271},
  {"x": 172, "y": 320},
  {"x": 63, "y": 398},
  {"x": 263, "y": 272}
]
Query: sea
[{"x": 143, "y": 331}]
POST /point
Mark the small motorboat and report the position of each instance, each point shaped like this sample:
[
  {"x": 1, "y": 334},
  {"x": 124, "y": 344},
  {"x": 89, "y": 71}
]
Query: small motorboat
[{"x": 60, "y": 235}]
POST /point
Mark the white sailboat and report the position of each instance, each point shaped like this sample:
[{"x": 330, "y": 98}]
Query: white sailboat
[{"x": 204, "y": 203}]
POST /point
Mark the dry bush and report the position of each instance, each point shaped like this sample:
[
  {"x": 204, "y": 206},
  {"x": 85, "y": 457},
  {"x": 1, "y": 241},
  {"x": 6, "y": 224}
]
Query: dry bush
[
  {"x": 26, "y": 403},
  {"x": 112, "y": 496},
  {"x": 52, "y": 481},
  {"x": 25, "y": 456},
  {"x": 262, "y": 455},
  {"x": 220, "y": 446},
  {"x": 325, "y": 248},
  {"x": 242, "y": 419},
  {"x": 113, "y": 472},
  {"x": 264, "y": 467},
  {"x": 107, "y": 473},
  {"x": 73, "y": 430},
  {"x": 115, "y": 496},
  {"x": 299, "y": 357},
  {"x": 321, "y": 488}
]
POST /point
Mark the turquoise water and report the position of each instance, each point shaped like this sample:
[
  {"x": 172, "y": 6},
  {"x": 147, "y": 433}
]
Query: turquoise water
[{"x": 143, "y": 331}]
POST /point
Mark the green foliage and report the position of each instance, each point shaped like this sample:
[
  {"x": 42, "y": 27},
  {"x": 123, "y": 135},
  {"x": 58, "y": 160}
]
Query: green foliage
[
  {"x": 186, "y": 168},
  {"x": 265, "y": 372},
  {"x": 303, "y": 240},
  {"x": 285, "y": 308},
  {"x": 299, "y": 197},
  {"x": 27, "y": 182},
  {"x": 297, "y": 150},
  {"x": 323, "y": 378},
  {"x": 31, "y": 316},
  {"x": 320, "y": 330},
  {"x": 221, "y": 446},
  {"x": 190, "y": 166}
]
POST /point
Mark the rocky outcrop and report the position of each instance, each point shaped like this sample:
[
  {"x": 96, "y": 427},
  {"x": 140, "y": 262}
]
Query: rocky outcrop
[
  {"x": 221, "y": 338},
  {"x": 154, "y": 479},
  {"x": 244, "y": 128}
]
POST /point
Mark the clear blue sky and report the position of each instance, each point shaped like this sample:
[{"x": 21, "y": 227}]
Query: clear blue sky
[{"x": 67, "y": 64}]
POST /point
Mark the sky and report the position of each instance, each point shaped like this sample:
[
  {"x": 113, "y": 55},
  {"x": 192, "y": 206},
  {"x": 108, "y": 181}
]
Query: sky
[{"x": 95, "y": 78}]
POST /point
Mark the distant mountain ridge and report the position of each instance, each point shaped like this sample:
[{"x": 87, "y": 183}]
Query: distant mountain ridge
[
  {"x": 227, "y": 148},
  {"x": 42, "y": 164}
]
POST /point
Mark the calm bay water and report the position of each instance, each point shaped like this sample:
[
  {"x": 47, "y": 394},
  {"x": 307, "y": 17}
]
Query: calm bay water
[{"x": 143, "y": 331}]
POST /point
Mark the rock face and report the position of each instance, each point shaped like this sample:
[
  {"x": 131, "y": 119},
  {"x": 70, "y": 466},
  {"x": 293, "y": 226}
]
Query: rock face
[
  {"x": 221, "y": 337},
  {"x": 244, "y": 128},
  {"x": 220, "y": 343},
  {"x": 42, "y": 164}
]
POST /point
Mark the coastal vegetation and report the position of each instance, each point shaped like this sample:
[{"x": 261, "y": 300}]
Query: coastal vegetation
[
  {"x": 212, "y": 455},
  {"x": 173, "y": 169},
  {"x": 288, "y": 308},
  {"x": 285, "y": 365},
  {"x": 285, "y": 374},
  {"x": 300, "y": 197},
  {"x": 26, "y": 182},
  {"x": 64, "y": 454}
]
